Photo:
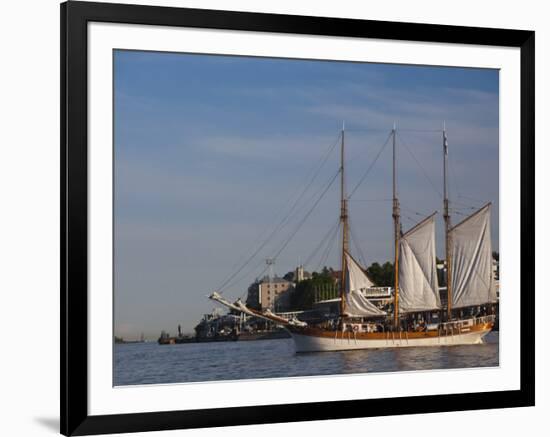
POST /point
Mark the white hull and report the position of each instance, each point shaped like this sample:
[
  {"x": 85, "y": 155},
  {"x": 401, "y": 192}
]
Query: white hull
[{"x": 311, "y": 343}]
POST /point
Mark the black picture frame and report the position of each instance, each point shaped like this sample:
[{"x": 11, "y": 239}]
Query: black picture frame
[{"x": 75, "y": 16}]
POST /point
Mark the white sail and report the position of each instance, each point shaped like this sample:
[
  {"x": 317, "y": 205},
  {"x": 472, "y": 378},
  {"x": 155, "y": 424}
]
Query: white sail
[
  {"x": 471, "y": 260},
  {"x": 418, "y": 286},
  {"x": 356, "y": 304}
]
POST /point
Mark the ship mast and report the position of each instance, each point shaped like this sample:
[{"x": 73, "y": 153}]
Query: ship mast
[
  {"x": 447, "y": 218},
  {"x": 344, "y": 223},
  {"x": 397, "y": 232}
]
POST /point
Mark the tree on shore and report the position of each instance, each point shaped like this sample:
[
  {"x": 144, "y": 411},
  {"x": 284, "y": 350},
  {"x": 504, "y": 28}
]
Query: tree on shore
[
  {"x": 303, "y": 296},
  {"x": 381, "y": 275}
]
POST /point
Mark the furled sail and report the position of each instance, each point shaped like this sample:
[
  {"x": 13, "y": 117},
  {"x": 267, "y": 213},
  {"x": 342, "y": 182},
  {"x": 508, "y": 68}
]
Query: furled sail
[
  {"x": 418, "y": 286},
  {"x": 356, "y": 304},
  {"x": 471, "y": 260}
]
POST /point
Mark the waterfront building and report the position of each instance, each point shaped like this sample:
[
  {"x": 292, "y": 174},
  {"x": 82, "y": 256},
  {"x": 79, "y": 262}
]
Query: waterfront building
[
  {"x": 253, "y": 295},
  {"x": 300, "y": 274},
  {"x": 297, "y": 275},
  {"x": 274, "y": 293}
]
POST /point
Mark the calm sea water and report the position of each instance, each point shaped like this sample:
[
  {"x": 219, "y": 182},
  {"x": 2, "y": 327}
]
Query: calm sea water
[{"x": 150, "y": 363}]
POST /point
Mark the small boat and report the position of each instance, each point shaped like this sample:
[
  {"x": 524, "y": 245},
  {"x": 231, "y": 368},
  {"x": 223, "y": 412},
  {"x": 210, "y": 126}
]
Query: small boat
[{"x": 466, "y": 318}]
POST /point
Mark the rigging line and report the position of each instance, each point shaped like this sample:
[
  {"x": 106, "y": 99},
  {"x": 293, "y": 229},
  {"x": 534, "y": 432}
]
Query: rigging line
[
  {"x": 227, "y": 282},
  {"x": 260, "y": 276},
  {"x": 307, "y": 215},
  {"x": 421, "y": 130},
  {"x": 365, "y": 130},
  {"x": 404, "y": 208},
  {"x": 371, "y": 200},
  {"x": 361, "y": 180},
  {"x": 303, "y": 205},
  {"x": 291, "y": 236},
  {"x": 362, "y": 258},
  {"x": 314, "y": 176},
  {"x": 248, "y": 271},
  {"x": 465, "y": 205},
  {"x": 322, "y": 243},
  {"x": 421, "y": 168},
  {"x": 359, "y": 157},
  {"x": 324, "y": 246},
  {"x": 385, "y": 130},
  {"x": 306, "y": 204},
  {"x": 455, "y": 179},
  {"x": 324, "y": 253},
  {"x": 355, "y": 242},
  {"x": 285, "y": 219},
  {"x": 472, "y": 198},
  {"x": 462, "y": 208},
  {"x": 246, "y": 274},
  {"x": 283, "y": 222},
  {"x": 460, "y": 213},
  {"x": 324, "y": 257}
]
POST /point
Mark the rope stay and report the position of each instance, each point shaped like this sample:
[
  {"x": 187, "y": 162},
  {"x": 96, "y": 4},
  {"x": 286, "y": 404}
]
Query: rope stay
[
  {"x": 355, "y": 242},
  {"x": 232, "y": 282},
  {"x": 364, "y": 176},
  {"x": 291, "y": 236},
  {"x": 323, "y": 241},
  {"x": 330, "y": 245},
  {"x": 284, "y": 221},
  {"x": 402, "y": 141},
  {"x": 298, "y": 205},
  {"x": 370, "y": 200}
]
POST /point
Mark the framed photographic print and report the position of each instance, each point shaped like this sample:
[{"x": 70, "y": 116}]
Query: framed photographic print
[{"x": 272, "y": 218}]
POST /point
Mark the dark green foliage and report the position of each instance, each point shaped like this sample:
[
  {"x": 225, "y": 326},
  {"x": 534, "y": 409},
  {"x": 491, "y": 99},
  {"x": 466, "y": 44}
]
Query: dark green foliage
[
  {"x": 382, "y": 275},
  {"x": 323, "y": 285},
  {"x": 289, "y": 276},
  {"x": 303, "y": 297}
]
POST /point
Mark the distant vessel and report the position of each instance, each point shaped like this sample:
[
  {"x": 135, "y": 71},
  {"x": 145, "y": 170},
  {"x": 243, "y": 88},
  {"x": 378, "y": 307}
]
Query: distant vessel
[
  {"x": 215, "y": 327},
  {"x": 120, "y": 340},
  {"x": 417, "y": 317}
]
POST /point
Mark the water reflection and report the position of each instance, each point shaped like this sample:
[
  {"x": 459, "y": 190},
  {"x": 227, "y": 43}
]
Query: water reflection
[{"x": 149, "y": 363}]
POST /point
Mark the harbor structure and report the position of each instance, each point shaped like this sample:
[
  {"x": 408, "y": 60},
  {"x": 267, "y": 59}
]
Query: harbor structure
[{"x": 274, "y": 293}]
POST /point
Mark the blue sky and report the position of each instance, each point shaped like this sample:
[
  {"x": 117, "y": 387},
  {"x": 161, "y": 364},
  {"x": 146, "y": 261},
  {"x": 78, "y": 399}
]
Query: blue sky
[{"x": 210, "y": 152}]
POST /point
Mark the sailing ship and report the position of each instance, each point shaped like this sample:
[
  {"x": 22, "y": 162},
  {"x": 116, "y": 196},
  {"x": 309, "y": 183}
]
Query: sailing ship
[{"x": 361, "y": 324}]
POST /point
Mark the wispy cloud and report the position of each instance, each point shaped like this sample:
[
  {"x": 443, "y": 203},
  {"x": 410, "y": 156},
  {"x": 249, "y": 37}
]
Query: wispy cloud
[{"x": 210, "y": 156}]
